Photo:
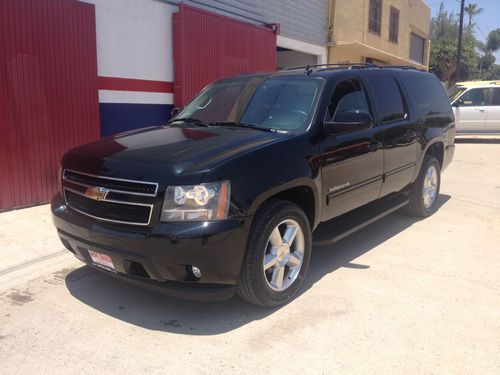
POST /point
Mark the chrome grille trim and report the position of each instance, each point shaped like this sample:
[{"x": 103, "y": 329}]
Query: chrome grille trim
[
  {"x": 110, "y": 201},
  {"x": 155, "y": 184},
  {"x": 105, "y": 199}
]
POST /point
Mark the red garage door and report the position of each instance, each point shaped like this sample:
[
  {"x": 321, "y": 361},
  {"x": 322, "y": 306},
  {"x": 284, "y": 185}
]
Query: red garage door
[
  {"x": 48, "y": 93},
  {"x": 208, "y": 46}
]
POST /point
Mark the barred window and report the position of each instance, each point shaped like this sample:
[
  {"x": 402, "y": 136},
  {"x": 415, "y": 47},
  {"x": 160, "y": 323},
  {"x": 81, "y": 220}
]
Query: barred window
[
  {"x": 394, "y": 25},
  {"x": 375, "y": 16},
  {"x": 417, "y": 45}
]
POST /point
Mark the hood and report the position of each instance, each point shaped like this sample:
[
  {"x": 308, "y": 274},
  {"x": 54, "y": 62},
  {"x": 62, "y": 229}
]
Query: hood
[{"x": 163, "y": 154}]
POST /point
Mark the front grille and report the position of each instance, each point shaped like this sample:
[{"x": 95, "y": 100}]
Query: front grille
[
  {"x": 126, "y": 213},
  {"x": 112, "y": 184}
]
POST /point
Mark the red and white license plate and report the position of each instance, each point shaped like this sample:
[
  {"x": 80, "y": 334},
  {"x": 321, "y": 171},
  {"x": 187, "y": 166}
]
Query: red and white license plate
[{"x": 102, "y": 260}]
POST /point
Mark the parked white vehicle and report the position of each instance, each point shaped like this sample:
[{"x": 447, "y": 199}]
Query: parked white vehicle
[{"x": 476, "y": 106}]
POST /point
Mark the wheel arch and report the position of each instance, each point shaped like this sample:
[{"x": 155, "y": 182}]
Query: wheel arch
[
  {"x": 302, "y": 191},
  {"x": 436, "y": 149}
]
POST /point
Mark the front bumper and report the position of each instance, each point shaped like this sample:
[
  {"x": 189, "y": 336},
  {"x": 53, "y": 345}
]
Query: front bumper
[{"x": 159, "y": 257}]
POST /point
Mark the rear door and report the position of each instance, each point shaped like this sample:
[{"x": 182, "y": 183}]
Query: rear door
[
  {"x": 493, "y": 111},
  {"x": 399, "y": 134},
  {"x": 471, "y": 111}
]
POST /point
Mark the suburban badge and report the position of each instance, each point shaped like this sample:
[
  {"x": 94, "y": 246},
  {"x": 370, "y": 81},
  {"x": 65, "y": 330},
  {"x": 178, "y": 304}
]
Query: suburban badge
[{"x": 339, "y": 187}]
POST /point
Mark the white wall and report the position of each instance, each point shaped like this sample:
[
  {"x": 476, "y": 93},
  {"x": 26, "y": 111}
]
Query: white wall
[
  {"x": 134, "y": 39},
  {"x": 320, "y": 52},
  {"x": 289, "y": 59}
]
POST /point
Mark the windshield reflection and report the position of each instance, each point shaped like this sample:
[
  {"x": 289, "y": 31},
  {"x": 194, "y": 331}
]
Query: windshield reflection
[{"x": 278, "y": 103}]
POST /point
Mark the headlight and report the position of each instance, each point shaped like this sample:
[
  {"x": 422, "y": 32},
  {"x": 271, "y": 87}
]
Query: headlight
[{"x": 204, "y": 202}]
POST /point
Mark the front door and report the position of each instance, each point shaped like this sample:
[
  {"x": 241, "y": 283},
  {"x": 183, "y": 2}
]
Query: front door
[
  {"x": 493, "y": 115},
  {"x": 399, "y": 134},
  {"x": 351, "y": 161},
  {"x": 471, "y": 111}
]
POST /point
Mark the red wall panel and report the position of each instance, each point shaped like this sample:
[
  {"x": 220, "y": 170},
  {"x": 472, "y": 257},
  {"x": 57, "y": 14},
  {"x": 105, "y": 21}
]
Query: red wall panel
[
  {"x": 208, "y": 46},
  {"x": 48, "y": 93}
]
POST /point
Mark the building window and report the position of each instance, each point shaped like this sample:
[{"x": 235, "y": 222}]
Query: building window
[
  {"x": 375, "y": 16},
  {"x": 417, "y": 45},
  {"x": 394, "y": 25}
]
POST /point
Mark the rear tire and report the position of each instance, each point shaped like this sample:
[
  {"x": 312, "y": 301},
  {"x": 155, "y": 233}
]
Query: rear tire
[
  {"x": 425, "y": 190},
  {"x": 277, "y": 256}
]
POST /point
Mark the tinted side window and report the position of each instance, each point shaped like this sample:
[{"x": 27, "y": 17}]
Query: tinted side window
[
  {"x": 388, "y": 98},
  {"x": 348, "y": 95},
  {"x": 474, "y": 98},
  {"x": 495, "y": 98},
  {"x": 352, "y": 101},
  {"x": 428, "y": 94}
]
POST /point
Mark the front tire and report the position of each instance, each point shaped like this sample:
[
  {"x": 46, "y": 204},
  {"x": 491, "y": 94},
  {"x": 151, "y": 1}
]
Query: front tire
[
  {"x": 425, "y": 191},
  {"x": 278, "y": 254}
]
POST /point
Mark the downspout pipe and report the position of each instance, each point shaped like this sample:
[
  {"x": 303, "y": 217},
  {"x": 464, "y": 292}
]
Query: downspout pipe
[{"x": 329, "y": 39}]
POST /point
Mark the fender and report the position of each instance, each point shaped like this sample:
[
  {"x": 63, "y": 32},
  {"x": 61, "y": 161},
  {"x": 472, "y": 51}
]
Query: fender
[{"x": 315, "y": 186}]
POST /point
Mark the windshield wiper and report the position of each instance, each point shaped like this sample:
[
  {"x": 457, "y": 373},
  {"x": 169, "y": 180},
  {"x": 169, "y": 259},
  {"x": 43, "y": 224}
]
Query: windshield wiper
[
  {"x": 243, "y": 125},
  {"x": 189, "y": 120}
]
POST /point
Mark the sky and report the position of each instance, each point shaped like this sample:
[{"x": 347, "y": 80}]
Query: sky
[{"x": 488, "y": 20}]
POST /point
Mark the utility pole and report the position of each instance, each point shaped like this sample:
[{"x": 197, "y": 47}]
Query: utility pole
[{"x": 459, "y": 47}]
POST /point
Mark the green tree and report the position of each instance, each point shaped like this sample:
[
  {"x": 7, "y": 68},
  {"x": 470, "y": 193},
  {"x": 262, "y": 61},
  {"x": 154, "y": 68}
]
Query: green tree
[
  {"x": 493, "y": 73},
  {"x": 493, "y": 40},
  {"x": 444, "y": 40},
  {"x": 487, "y": 58},
  {"x": 472, "y": 10}
]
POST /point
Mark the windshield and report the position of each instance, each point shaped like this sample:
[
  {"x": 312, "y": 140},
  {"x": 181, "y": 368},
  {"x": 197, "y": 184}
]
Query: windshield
[
  {"x": 454, "y": 92},
  {"x": 278, "y": 103}
]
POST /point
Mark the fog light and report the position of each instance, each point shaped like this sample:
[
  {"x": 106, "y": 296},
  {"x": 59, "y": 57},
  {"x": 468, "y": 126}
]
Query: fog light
[{"x": 196, "y": 272}]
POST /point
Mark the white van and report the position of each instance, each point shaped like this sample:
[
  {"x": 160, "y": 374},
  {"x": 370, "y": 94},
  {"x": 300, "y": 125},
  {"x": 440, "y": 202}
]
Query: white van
[{"x": 476, "y": 106}]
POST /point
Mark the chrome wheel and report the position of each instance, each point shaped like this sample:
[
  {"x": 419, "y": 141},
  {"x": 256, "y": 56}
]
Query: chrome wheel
[
  {"x": 283, "y": 255},
  {"x": 429, "y": 191}
]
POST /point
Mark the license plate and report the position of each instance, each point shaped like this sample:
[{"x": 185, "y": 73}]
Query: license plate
[{"x": 102, "y": 260}]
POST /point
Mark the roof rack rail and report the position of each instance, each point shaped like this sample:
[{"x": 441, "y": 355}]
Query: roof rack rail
[
  {"x": 308, "y": 69},
  {"x": 398, "y": 67},
  {"x": 327, "y": 65}
]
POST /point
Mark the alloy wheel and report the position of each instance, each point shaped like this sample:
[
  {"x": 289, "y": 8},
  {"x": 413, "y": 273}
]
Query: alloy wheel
[
  {"x": 283, "y": 255},
  {"x": 429, "y": 191}
]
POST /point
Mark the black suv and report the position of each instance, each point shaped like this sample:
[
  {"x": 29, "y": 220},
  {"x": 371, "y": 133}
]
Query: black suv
[{"x": 231, "y": 194}]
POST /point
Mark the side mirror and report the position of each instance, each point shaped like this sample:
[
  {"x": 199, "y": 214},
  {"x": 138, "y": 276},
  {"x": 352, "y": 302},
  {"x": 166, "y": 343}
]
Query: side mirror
[
  {"x": 349, "y": 121},
  {"x": 458, "y": 103},
  {"x": 176, "y": 111}
]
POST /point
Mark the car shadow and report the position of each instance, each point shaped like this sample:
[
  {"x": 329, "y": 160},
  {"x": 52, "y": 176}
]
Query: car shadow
[{"x": 150, "y": 310}]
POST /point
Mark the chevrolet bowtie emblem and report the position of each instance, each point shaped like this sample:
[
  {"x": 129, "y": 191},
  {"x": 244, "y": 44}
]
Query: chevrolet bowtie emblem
[{"x": 96, "y": 193}]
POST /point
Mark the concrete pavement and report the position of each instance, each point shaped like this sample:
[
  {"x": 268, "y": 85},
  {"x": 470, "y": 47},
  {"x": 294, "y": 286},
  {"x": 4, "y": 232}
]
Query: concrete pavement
[{"x": 401, "y": 296}]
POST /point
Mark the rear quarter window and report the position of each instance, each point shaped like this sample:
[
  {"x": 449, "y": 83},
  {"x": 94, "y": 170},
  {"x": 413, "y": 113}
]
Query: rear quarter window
[{"x": 427, "y": 93}]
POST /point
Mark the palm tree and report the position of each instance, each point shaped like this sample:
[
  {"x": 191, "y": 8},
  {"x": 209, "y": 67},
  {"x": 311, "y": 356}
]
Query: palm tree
[
  {"x": 488, "y": 49},
  {"x": 472, "y": 10},
  {"x": 493, "y": 40}
]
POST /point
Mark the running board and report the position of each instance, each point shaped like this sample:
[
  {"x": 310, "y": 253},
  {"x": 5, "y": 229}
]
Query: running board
[{"x": 340, "y": 227}]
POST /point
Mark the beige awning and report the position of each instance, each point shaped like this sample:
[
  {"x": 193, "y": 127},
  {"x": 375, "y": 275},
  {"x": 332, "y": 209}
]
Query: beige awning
[{"x": 349, "y": 48}]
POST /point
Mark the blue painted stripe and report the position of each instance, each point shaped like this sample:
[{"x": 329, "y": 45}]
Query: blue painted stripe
[{"x": 119, "y": 117}]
